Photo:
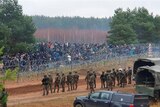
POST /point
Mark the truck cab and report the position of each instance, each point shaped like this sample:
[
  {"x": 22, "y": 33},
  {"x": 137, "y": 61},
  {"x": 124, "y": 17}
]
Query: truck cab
[{"x": 111, "y": 99}]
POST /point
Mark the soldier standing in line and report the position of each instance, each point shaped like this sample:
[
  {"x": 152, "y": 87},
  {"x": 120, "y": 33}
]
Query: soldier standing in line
[
  {"x": 57, "y": 82},
  {"x": 91, "y": 82},
  {"x": 110, "y": 82},
  {"x": 50, "y": 82},
  {"x": 45, "y": 84},
  {"x": 87, "y": 79},
  {"x": 76, "y": 79},
  {"x": 106, "y": 78},
  {"x": 102, "y": 78},
  {"x": 69, "y": 81},
  {"x": 63, "y": 80},
  {"x": 118, "y": 77},
  {"x": 94, "y": 73},
  {"x": 129, "y": 75},
  {"x": 113, "y": 75},
  {"x": 122, "y": 78}
]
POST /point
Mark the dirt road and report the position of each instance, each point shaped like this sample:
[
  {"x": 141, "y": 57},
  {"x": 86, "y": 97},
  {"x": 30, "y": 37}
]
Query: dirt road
[{"x": 31, "y": 95}]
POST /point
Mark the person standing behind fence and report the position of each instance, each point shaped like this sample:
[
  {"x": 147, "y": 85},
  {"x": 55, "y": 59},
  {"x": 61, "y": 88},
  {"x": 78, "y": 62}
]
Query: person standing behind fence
[
  {"x": 50, "y": 82},
  {"x": 45, "y": 84},
  {"x": 57, "y": 82},
  {"x": 63, "y": 81},
  {"x": 76, "y": 79},
  {"x": 87, "y": 79}
]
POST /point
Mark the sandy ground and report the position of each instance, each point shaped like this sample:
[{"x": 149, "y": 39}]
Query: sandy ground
[{"x": 30, "y": 95}]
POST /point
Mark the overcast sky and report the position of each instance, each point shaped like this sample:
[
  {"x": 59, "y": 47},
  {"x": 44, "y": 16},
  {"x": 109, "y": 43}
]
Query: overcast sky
[{"x": 84, "y": 8}]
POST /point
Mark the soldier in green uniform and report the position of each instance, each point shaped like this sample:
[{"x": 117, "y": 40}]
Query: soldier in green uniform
[
  {"x": 106, "y": 78},
  {"x": 76, "y": 79},
  {"x": 70, "y": 81},
  {"x": 95, "y": 75},
  {"x": 91, "y": 82},
  {"x": 87, "y": 79},
  {"x": 118, "y": 77},
  {"x": 110, "y": 82},
  {"x": 129, "y": 75},
  {"x": 113, "y": 76},
  {"x": 57, "y": 82},
  {"x": 102, "y": 78},
  {"x": 50, "y": 82},
  {"x": 45, "y": 84},
  {"x": 63, "y": 80}
]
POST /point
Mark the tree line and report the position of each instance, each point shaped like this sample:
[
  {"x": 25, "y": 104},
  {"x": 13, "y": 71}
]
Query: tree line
[
  {"x": 134, "y": 26},
  {"x": 72, "y": 22},
  {"x": 16, "y": 29}
]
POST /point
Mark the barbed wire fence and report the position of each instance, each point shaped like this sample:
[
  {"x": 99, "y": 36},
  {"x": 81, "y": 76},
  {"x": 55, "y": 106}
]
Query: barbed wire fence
[{"x": 104, "y": 59}]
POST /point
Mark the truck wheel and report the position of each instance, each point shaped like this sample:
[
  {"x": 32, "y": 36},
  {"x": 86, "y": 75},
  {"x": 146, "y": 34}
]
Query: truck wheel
[{"x": 78, "y": 105}]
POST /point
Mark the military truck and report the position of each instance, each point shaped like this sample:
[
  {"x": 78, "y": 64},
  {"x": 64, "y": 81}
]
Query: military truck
[
  {"x": 147, "y": 76},
  {"x": 145, "y": 62}
]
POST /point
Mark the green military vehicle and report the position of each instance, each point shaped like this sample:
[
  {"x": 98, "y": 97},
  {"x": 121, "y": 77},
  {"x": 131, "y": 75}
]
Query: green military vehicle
[{"x": 147, "y": 76}]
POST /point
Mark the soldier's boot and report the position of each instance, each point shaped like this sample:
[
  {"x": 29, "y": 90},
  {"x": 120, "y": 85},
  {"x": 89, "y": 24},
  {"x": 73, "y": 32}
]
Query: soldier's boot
[
  {"x": 87, "y": 86},
  {"x": 58, "y": 90},
  {"x": 95, "y": 85},
  {"x": 47, "y": 91},
  {"x": 68, "y": 88},
  {"x": 51, "y": 89},
  {"x": 43, "y": 92},
  {"x": 76, "y": 86}
]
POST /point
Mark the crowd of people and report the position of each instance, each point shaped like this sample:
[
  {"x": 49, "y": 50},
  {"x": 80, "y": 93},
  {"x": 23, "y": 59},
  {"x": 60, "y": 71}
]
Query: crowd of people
[
  {"x": 67, "y": 53},
  {"x": 109, "y": 79}
]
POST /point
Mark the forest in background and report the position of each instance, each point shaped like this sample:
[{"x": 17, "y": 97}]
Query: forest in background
[{"x": 43, "y": 22}]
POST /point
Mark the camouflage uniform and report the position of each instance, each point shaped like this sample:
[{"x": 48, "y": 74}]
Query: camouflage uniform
[
  {"x": 110, "y": 82},
  {"x": 91, "y": 82},
  {"x": 70, "y": 81},
  {"x": 50, "y": 82},
  {"x": 106, "y": 79},
  {"x": 63, "y": 80},
  {"x": 129, "y": 75},
  {"x": 45, "y": 84},
  {"x": 87, "y": 79},
  {"x": 118, "y": 77},
  {"x": 57, "y": 82},
  {"x": 94, "y": 79},
  {"x": 122, "y": 79},
  {"x": 76, "y": 79},
  {"x": 113, "y": 76},
  {"x": 102, "y": 78}
]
